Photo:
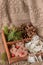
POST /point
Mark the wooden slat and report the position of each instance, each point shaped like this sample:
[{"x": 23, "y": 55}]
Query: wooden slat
[{"x": 5, "y": 45}]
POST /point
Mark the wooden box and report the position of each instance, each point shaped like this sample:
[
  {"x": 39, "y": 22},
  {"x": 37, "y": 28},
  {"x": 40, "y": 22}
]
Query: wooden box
[{"x": 7, "y": 44}]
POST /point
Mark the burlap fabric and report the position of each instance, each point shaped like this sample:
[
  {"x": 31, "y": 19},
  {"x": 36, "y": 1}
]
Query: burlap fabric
[{"x": 20, "y": 11}]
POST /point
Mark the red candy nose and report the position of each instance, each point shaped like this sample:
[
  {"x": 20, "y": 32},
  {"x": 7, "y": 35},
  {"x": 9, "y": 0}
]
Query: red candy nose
[
  {"x": 17, "y": 47},
  {"x": 13, "y": 55},
  {"x": 22, "y": 53}
]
